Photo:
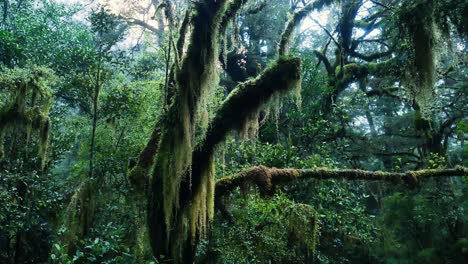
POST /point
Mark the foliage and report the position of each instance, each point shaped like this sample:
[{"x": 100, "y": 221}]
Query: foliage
[
  {"x": 106, "y": 247},
  {"x": 262, "y": 232},
  {"x": 429, "y": 226},
  {"x": 28, "y": 205}
]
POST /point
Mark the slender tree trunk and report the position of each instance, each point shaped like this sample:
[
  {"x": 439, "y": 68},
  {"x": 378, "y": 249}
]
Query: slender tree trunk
[{"x": 95, "y": 116}]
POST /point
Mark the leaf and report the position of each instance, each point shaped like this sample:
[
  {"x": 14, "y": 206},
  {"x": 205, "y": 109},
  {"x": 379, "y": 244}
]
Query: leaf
[{"x": 57, "y": 246}]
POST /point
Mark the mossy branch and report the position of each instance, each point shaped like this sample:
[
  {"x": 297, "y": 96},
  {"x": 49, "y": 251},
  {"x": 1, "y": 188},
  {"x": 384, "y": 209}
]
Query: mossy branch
[
  {"x": 139, "y": 174},
  {"x": 231, "y": 11},
  {"x": 371, "y": 57},
  {"x": 321, "y": 57},
  {"x": 295, "y": 21},
  {"x": 266, "y": 178},
  {"x": 182, "y": 32},
  {"x": 235, "y": 110}
]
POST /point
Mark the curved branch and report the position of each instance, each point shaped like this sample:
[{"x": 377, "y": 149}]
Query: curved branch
[
  {"x": 141, "y": 23},
  {"x": 182, "y": 33},
  {"x": 326, "y": 62},
  {"x": 266, "y": 178},
  {"x": 371, "y": 57},
  {"x": 231, "y": 11},
  {"x": 295, "y": 21},
  {"x": 235, "y": 110}
]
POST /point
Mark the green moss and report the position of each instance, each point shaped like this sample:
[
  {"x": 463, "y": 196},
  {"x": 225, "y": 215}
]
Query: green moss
[
  {"x": 22, "y": 85},
  {"x": 79, "y": 215},
  {"x": 302, "y": 221},
  {"x": 422, "y": 30},
  {"x": 295, "y": 20}
]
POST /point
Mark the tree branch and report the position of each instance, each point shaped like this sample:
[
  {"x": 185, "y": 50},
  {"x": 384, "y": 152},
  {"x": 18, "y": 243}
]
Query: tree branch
[
  {"x": 235, "y": 110},
  {"x": 295, "y": 21},
  {"x": 139, "y": 174},
  {"x": 371, "y": 57},
  {"x": 267, "y": 178},
  {"x": 141, "y": 23},
  {"x": 231, "y": 11},
  {"x": 326, "y": 63},
  {"x": 182, "y": 33}
]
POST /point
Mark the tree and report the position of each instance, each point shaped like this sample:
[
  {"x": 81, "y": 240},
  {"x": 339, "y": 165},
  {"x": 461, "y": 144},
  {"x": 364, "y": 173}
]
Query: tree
[{"x": 80, "y": 212}]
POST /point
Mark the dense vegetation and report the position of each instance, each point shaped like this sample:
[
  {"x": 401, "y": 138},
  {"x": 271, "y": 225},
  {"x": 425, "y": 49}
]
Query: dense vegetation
[{"x": 234, "y": 131}]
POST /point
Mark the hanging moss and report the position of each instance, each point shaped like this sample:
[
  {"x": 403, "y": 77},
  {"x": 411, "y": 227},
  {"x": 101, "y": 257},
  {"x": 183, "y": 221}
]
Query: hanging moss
[
  {"x": 79, "y": 215},
  {"x": 303, "y": 224},
  {"x": 418, "y": 19},
  {"x": 23, "y": 85}
]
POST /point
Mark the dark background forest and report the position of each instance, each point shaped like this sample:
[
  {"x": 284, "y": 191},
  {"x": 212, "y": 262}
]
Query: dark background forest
[{"x": 229, "y": 131}]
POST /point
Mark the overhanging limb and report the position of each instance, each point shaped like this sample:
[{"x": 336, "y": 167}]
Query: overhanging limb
[{"x": 266, "y": 178}]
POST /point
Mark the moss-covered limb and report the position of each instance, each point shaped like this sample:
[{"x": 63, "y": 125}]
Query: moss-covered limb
[
  {"x": 390, "y": 67},
  {"x": 183, "y": 32},
  {"x": 349, "y": 73},
  {"x": 326, "y": 62},
  {"x": 295, "y": 21},
  {"x": 266, "y": 178},
  {"x": 371, "y": 57},
  {"x": 237, "y": 108},
  {"x": 139, "y": 174},
  {"x": 231, "y": 11},
  {"x": 383, "y": 92}
]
